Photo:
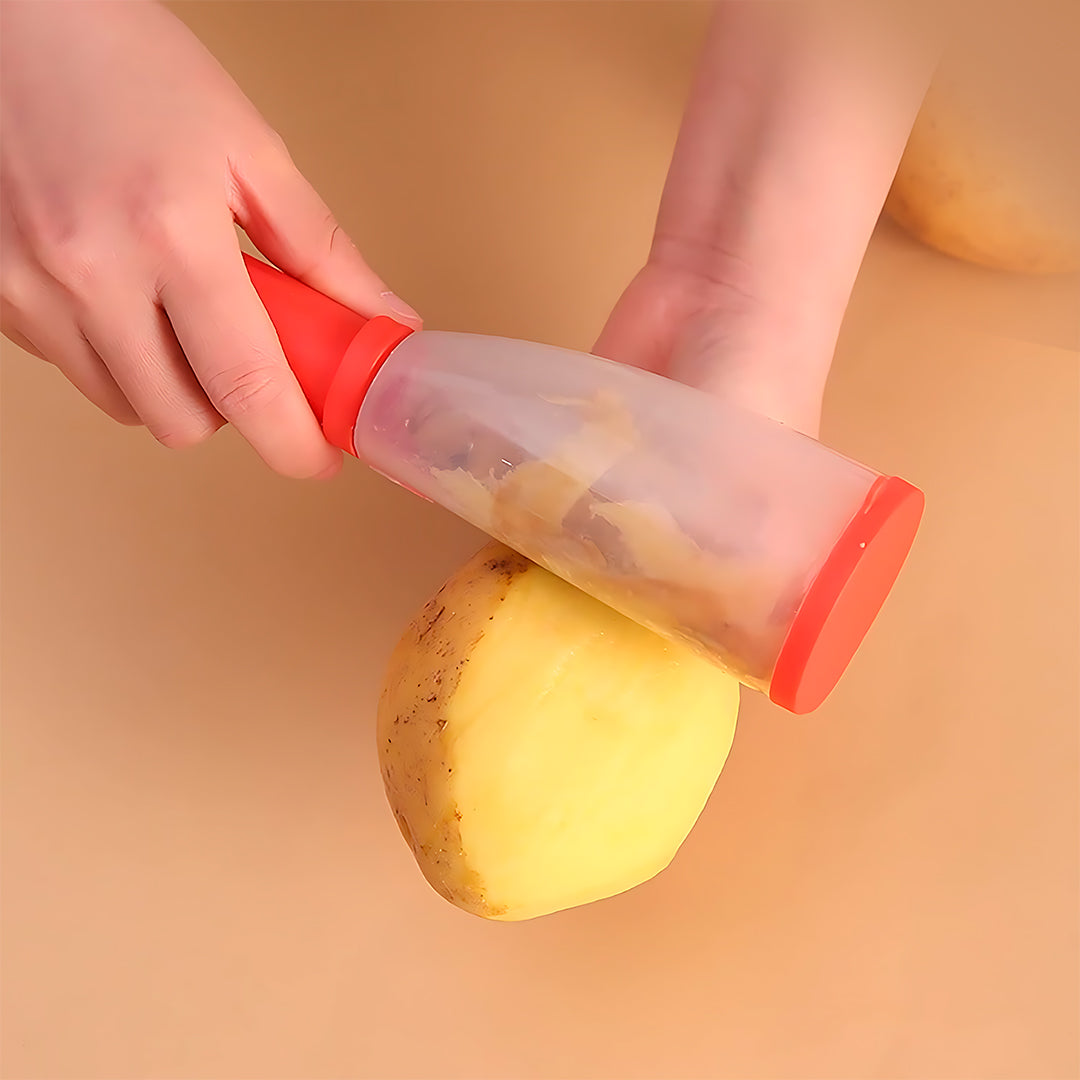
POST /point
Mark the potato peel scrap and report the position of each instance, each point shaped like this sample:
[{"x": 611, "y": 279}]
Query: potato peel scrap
[
  {"x": 651, "y": 571},
  {"x": 469, "y": 495},
  {"x": 655, "y": 544}
]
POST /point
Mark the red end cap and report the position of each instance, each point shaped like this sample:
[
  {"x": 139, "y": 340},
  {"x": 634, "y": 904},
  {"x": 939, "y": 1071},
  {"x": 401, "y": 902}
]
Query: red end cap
[
  {"x": 334, "y": 353},
  {"x": 846, "y": 596}
]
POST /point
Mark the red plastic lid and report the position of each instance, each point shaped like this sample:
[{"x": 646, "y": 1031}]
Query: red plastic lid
[
  {"x": 846, "y": 596},
  {"x": 334, "y": 352}
]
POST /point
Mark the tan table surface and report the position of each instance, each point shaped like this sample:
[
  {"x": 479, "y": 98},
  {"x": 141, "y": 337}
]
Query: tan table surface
[{"x": 201, "y": 877}]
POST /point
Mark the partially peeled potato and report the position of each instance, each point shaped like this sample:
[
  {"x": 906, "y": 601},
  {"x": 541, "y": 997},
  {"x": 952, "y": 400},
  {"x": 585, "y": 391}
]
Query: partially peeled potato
[
  {"x": 540, "y": 750},
  {"x": 991, "y": 172}
]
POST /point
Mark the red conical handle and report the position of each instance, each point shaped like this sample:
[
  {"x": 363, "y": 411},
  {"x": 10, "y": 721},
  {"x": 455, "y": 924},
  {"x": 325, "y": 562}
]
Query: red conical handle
[{"x": 334, "y": 352}]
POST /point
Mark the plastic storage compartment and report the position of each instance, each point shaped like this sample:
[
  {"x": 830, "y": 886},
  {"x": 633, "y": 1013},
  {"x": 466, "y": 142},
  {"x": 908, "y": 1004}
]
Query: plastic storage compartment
[
  {"x": 707, "y": 523},
  {"x": 757, "y": 546}
]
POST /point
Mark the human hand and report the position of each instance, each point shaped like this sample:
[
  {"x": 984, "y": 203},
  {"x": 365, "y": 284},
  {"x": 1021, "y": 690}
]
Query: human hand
[
  {"x": 796, "y": 122},
  {"x": 128, "y": 155},
  {"x": 710, "y": 334}
]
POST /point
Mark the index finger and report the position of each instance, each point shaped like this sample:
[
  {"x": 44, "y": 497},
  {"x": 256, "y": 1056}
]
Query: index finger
[{"x": 234, "y": 351}]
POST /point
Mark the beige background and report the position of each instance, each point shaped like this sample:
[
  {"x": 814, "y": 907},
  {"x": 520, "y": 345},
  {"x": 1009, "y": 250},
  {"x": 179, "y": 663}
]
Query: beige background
[{"x": 200, "y": 875}]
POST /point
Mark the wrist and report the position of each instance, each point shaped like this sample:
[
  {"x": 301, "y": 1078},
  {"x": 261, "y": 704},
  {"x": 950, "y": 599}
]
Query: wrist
[{"x": 796, "y": 122}]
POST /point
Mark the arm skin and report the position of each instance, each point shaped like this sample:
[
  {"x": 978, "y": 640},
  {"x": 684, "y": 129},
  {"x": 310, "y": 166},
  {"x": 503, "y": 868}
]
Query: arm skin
[{"x": 797, "y": 119}]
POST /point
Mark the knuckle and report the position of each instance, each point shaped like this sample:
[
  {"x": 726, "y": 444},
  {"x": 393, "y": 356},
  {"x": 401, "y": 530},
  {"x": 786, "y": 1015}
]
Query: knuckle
[
  {"x": 183, "y": 436},
  {"x": 331, "y": 231},
  {"x": 268, "y": 154},
  {"x": 327, "y": 234},
  {"x": 166, "y": 229},
  {"x": 244, "y": 389},
  {"x": 75, "y": 263},
  {"x": 275, "y": 147}
]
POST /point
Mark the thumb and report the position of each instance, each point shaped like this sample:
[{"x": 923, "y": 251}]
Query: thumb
[
  {"x": 292, "y": 226},
  {"x": 641, "y": 329}
]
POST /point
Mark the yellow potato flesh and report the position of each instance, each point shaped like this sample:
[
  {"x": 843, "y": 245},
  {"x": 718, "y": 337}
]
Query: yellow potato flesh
[
  {"x": 555, "y": 753},
  {"x": 973, "y": 196},
  {"x": 991, "y": 173}
]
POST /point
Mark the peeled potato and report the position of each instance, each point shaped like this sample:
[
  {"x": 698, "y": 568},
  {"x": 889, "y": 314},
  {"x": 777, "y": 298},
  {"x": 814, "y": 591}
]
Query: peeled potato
[
  {"x": 968, "y": 196},
  {"x": 991, "y": 172},
  {"x": 539, "y": 750}
]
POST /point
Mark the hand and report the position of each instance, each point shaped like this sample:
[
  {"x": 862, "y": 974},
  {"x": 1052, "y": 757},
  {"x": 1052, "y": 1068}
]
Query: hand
[
  {"x": 128, "y": 155},
  {"x": 712, "y": 335},
  {"x": 796, "y": 122}
]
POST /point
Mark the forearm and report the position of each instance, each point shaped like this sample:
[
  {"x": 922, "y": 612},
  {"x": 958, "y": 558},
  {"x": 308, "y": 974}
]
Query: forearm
[{"x": 797, "y": 119}]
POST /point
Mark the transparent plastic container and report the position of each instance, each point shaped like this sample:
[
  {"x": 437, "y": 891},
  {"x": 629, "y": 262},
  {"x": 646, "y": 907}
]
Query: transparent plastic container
[{"x": 760, "y": 548}]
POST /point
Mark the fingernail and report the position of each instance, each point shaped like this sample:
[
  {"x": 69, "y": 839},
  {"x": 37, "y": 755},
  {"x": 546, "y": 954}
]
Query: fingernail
[{"x": 397, "y": 307}]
